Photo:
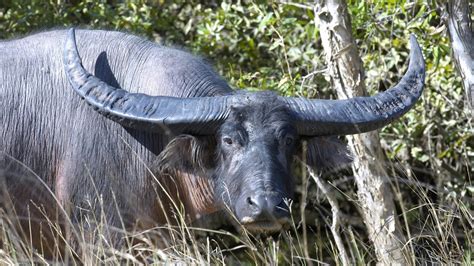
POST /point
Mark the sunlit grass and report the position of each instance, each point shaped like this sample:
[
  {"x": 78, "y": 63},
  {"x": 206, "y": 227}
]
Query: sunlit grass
[{"x": 438, "y": 231}]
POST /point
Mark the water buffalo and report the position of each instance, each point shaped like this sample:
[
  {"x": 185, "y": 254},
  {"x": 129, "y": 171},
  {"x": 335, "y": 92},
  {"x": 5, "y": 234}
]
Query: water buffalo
[{"x": 154, "y": 127}]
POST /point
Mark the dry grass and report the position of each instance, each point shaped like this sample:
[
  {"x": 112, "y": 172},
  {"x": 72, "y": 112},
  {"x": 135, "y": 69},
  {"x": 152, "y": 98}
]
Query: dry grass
[{"x": 438, "y": 226}]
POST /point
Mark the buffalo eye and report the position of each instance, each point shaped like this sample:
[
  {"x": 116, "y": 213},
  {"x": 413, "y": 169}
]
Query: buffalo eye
[
  {"x": 289, "y": 140},
  {"x": 227, "y": 140}
]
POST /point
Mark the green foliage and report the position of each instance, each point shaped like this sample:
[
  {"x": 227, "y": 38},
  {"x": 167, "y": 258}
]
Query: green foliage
[{"x": 438, "y": 135}]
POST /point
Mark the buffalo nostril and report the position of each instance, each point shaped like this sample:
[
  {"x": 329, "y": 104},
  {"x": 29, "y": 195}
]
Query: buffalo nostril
[
  {"x": 264, "y": 208},
  {"x": 257, "y": 203},
  {"x": 250, "y": 201}
]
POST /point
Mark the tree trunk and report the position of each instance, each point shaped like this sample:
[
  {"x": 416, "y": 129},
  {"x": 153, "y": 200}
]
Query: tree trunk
[
  {"x": 462, "y": 42},
  {"x": 347, "y": 77}
]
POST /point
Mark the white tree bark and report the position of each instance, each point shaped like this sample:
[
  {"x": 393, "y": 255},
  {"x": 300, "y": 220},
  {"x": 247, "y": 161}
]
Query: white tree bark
[
  {"x": 462, "y": 43},
  {"x": 347, "y": 76}
]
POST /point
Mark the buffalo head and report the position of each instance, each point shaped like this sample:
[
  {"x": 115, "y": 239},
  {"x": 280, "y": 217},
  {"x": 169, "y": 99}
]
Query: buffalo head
[{"x": 254, "y": 134}]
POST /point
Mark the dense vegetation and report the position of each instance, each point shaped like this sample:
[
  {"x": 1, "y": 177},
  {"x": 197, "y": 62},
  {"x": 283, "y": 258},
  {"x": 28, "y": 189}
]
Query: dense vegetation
[{"x": 261, "y": 46}]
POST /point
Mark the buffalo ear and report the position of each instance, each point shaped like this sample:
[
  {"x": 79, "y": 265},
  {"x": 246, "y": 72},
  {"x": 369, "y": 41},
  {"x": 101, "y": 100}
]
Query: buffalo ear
[
  {"x": 186, "y": 152},
  {"x": 327, "y": 154}
]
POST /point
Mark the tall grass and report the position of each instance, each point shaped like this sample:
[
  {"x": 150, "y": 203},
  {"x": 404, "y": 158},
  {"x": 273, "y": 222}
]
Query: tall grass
[{"x": 437, "y": 230}]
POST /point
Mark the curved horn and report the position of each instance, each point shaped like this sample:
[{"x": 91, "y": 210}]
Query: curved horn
[
  {"x": 361, "y": 114},
  {"x": 200, "y": 115}
]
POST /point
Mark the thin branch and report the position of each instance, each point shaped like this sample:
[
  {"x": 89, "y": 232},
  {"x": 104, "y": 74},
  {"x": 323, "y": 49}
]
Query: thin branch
[
  {"x": 335, "y": 226},
  {"x": 303, "y": 6}
]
